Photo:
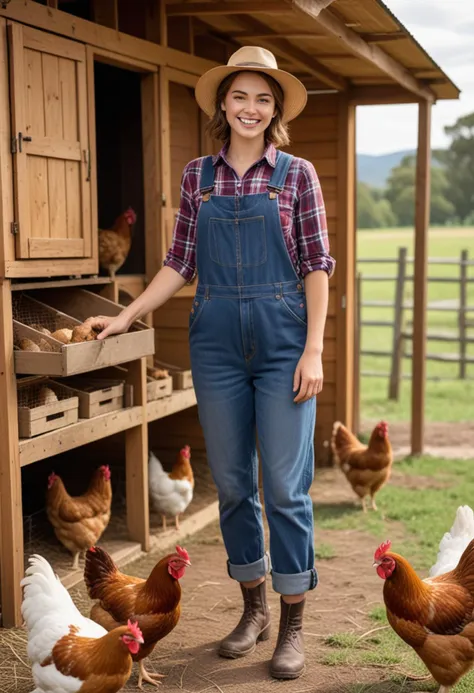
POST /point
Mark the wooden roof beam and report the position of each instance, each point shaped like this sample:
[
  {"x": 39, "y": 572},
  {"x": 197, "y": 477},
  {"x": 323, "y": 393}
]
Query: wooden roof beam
[
  {"x": 291, "y": 36},
  {"x": 370, "y": 52},
  {"x": 297, "y": 56},
  {"x": 380, "y": 94},
  {"x": 219, "y": 8},
  {"x": 383, "y": 36}
]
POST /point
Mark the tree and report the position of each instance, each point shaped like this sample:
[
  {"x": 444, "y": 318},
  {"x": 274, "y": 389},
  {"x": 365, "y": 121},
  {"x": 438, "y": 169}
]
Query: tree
[
  {"x": 401, "y": 193},
  {"x": 373, "y": 211},
  {"x": 459, "y": 164}
]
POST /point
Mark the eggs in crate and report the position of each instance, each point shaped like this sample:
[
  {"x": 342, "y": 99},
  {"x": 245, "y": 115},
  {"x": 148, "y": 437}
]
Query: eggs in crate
[{"x": 44, "y": 406}]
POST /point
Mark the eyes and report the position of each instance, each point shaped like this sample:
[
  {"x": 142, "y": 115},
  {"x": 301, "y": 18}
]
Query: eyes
[{"x": 240, "y": 97}]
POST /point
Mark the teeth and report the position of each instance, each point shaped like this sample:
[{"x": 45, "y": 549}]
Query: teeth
[{"x": 248, "y": 122}]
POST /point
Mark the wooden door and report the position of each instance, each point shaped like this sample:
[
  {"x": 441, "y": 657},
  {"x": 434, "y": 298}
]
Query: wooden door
[{"x": 50, "y": 145}]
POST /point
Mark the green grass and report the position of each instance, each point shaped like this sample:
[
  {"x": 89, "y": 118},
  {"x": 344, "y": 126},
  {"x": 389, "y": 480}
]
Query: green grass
[
  {"x": 420, "y": 514},
  {"x": 445, "y": 401},
  {"x": 324, "y": 552}
]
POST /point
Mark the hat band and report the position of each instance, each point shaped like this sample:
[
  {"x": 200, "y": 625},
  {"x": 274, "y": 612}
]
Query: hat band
[{"x": 265, "y": 67}]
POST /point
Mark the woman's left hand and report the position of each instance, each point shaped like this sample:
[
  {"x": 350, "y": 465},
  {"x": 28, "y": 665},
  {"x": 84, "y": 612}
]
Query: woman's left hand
[{"x": 308, "y": 376}]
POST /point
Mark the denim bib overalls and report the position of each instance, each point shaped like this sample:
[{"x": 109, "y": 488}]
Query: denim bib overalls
[{"x": 247, "y": 332}]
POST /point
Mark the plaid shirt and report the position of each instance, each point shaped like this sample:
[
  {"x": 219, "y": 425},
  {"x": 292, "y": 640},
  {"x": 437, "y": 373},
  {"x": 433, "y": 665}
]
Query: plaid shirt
[{"x": 301, "y": 205}]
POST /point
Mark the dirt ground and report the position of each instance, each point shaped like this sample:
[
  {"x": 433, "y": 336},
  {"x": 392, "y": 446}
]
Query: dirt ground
[
  {"x": 450, "y": 439},
  {"x": 348, "y": 590}
]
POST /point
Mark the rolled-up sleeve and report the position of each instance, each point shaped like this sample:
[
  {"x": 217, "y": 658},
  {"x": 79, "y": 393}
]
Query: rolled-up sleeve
[
  {"x": 182, "y": 254},
  {"x": 311, "y": 224}
]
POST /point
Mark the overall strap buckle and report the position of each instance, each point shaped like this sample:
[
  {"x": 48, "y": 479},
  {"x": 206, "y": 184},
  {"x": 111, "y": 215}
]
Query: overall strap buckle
[{"x": 277, "y": 181}]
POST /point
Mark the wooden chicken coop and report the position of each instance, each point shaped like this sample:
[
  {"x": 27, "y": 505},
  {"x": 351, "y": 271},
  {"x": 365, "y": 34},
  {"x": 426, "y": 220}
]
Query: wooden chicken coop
[{"x": 97, "y": 113}]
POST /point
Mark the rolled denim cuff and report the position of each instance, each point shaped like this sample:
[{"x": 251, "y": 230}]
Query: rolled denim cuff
[
  {"x": 296, "y": 583},
  {"x": 250, "y": 571}
]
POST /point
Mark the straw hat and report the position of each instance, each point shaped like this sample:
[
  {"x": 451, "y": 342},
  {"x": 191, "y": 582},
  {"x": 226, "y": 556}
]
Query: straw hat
[{"x": 253, "y": 59}]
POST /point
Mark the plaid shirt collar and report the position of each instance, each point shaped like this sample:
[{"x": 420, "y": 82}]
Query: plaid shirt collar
[{"x": 269, "y": 155}]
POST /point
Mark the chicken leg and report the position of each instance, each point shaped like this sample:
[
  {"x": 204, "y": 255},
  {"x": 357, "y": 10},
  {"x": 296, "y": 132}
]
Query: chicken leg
[
  {"x": 374, "y": 504},
  {"x": 75, "y": 564},
  {"x": 163, "y": 521},
  {"x": 176, "y": 522},
  {"x": 144, "y": 675}
]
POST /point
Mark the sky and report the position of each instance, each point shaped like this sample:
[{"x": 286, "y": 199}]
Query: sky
[{"x": 445, "y": 29}]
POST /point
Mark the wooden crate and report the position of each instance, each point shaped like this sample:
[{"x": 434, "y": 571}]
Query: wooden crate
[
  {"x": 182, "y": 377},
  {"x": 35, "y": 416},
  {"x": 96, "y": 395},
  {"x": 157, "y": 388},
  {"x": 56, "y": 309}
]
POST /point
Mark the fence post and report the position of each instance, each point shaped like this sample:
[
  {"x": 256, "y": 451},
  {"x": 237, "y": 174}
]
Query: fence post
[
  {"x": 395, "y": 371},
  {"x": 357, "y": 342},
  {"x": 463, "y": 314}
]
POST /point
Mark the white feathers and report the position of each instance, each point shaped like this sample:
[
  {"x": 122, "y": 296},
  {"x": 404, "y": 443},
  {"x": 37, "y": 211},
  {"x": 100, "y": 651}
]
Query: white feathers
[
  {"x": 454, "y": 543},
  {"x": 169, "y": 496},
  {"x": 49, "y": 612}
]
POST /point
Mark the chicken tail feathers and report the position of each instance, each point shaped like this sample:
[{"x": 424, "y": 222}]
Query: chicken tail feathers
[
  {"x": 99, "y": 568},
  {"x": 454, "y": 542}
]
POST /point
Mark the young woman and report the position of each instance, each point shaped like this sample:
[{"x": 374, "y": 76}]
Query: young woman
[{"x": 252, "y": 225}]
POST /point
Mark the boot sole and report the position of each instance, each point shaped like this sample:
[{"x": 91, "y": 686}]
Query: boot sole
[
  {"x": 287, "y": 676},
  {"x": 235, "y": 654}
]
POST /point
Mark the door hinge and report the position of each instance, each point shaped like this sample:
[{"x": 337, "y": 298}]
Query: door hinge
[
  {"x": 87, "y": 161},
  {"x": 14, "y": 228}
]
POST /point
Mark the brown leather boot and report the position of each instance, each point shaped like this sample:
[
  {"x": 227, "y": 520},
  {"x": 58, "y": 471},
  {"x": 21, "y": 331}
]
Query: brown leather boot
[
  {"x": 252, "y": 627},
  {"x": 288, "y": 658}
]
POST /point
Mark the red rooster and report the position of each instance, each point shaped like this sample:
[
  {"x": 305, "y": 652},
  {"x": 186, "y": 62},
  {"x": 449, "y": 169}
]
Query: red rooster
[
  {"x": 115, "y": 243},
  {"x": 154, "y": 603}
]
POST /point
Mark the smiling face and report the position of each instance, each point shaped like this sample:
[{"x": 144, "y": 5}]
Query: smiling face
[{"x": 249, "y": 105}]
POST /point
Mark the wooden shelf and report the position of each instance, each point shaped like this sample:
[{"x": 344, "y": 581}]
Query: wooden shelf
[
  {"x": 179, "y": 400},
  {"x": 81, "y": 433},
  {"x": 60, "y": 283},
  {"x": 88, "y": 430}
]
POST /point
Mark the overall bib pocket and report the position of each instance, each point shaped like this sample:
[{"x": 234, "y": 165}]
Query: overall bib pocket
[{"x": 237, "y": 242}]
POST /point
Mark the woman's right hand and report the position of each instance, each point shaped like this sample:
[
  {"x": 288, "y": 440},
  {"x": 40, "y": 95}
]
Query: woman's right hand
[{"x": 109, "y": 326}]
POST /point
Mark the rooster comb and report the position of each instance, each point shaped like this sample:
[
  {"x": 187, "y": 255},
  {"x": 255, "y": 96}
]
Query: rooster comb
[
  {"x": 186, "y": 451},
  {"x": 382, "y": 550},
  {"x": 105, "y": 469},
  {"x": 182, "y": 552},
  {"x": 134, "y": 629}
]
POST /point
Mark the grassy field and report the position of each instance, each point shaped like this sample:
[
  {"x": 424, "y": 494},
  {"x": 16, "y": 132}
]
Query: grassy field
[{"x": 446, "y": 401}]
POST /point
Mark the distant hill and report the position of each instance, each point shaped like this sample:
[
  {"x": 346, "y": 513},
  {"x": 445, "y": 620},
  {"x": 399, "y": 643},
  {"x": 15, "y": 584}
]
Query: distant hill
[{"x": 375, "y": 169}]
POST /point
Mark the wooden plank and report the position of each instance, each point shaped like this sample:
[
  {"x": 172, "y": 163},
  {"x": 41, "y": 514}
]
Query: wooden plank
[
  {"x": 85, "y": 431},
  {"x": 56, "y": 247},
  {"x": 53, "y": 118},
  {"x": 57, "y": 201},
  {"x": 37, "y": 191},
  {"x": 165, "y": 143},
  {"x": 11, "y": 518},
  {"x": 55, "y": 268},
  {"x": 420, "y": 284},
  {"x": 111, "y": 58},
  {"x": 155, "y": 22},
  {"x": 85, "y": 178},
  {"x": 59, "y": 283},
  {"x": 7, "y": 242},
  {"x": 52, "y": 45},
  {"x": 34, "y": 94},
  {"x": 18, "y": 106},
  {"x": 136, "y": 460},
  {"x": 462, "y": 318},
  {"x": 53, "y": 147},
  {"x": 150, "y": 100},
  {"x": 372, "y": 53},
  {"x": 179, "y": 400},
  {"x": 397, "y": 340},
  {"x": 94, "y": 214},
  {"x": 81, "y": 30},
  {"x": 345, "y": 284},
  {"x": 377, "y": 95},
  {"x": 227, "y": 8}
]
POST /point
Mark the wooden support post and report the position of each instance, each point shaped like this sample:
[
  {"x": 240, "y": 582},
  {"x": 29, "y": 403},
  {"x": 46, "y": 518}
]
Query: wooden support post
[
  {"x": 463, "y": 314},
  {"x": 11, "y": 518},
  {"x": 357, "y": 346},
  {"x": 136, "y": 456},
  {"x": 396, "y": 369},
  {"x": 422, "y": 218},
  {"x": 105, "y": 12}
]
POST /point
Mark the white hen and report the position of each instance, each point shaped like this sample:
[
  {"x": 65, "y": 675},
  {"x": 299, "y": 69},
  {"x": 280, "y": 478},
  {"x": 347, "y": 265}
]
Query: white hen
[
  {"x": 169, "y": 496},
  {"x": 453, "y": 543},
  {"x": 60, "y": 637}
]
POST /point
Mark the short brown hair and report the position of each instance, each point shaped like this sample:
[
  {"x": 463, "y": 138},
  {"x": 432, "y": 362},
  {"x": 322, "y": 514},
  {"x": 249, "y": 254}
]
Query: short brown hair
[{"x": 277, "y": 132}]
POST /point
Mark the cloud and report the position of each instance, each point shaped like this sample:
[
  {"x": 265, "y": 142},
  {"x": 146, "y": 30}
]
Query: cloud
[{"x": 446, "y": 31}]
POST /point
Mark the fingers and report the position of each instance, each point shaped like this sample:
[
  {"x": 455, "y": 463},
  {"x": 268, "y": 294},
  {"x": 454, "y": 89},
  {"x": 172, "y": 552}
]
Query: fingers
[
  {"x": 296, "y": 379},
  {"x": 310, "y": 387}
]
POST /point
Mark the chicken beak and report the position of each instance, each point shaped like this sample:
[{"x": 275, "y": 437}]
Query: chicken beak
[
  {"x": 376, "y": 564},
  {"x": 140, "y": 640},
  {"x": 187, "y": 563}
]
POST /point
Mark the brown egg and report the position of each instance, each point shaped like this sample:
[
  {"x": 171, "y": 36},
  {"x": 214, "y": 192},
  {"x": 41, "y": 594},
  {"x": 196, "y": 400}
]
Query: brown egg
[
  {"x": 40, "y": 328},
  {"x": 47, "y": 396},
  {"x": 159, "y": 373},
  {"x": 26, "y": 344},
  {"x": 64, "y": 335},
  {"x": 83, "y": 333},
  {"x": 44, "y": 345}
]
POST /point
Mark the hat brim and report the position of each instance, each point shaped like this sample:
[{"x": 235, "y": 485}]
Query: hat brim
[{"x": 294, "y": 91}]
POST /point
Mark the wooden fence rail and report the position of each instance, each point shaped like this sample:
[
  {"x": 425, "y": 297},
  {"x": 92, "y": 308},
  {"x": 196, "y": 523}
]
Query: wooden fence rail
[{"x": 401, "y": 334}]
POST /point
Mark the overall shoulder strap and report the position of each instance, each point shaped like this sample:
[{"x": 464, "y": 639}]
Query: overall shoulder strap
[
  {"x": 283, "y": 163},
  {"x": 206, "y": 184}
]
